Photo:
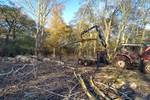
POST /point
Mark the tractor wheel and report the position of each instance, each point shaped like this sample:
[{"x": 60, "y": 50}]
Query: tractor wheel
[
  {"x": 121, "y": 62},
  {"x": 147, "y": 68}
]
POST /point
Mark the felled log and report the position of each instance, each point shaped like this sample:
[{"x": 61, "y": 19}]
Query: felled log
[
  {"x": 97, "y": 91},
  {"x": 82, "y": 83}
]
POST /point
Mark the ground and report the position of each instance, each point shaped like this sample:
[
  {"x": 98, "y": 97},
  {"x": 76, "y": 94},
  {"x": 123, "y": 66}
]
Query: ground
[{"x": 56, "y": 81}]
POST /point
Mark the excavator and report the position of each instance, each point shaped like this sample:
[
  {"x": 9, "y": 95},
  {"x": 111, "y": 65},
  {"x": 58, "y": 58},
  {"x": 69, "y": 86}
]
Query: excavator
[{"x": 101, "y": 55}]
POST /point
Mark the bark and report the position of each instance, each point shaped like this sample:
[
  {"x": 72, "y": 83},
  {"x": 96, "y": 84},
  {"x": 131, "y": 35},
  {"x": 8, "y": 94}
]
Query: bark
[
  {"x": 37, "y": 31},
  {"x": 10, "y": 27},
  {"x": 7, "y": 39},
  {"x": 97, "y": 91},
  {"x": 107, "y": 31},
  {"x": 37, "y": 42},
  {"x": 119, "y": 36},
  {"x": 82, "y": 83},
  {"x": 54, "y": 52},
  {"x": 41, "y": 19},
  {"x": 95, "y": 46},
  {"x": 8, "y": 35},
  {"x": 14, "y": 30}
]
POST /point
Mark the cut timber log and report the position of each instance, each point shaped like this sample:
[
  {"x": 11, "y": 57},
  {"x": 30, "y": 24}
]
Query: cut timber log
[
  {"x": 82, "y": 83},
  {"x": 92, "y": 95},
  {"x": 97, "y": 91}
]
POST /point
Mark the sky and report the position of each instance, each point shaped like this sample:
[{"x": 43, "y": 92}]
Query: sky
[{"x": 70, "y": 8}]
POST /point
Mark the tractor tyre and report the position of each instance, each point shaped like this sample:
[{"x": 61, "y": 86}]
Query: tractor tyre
[
  {"x": 121, "y": 62},
  {"x": 147, "y": 68}
]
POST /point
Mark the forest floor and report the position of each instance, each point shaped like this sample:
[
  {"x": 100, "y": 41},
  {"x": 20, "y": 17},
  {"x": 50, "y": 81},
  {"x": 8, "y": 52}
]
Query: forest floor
[{"x": 56, "y": 81}]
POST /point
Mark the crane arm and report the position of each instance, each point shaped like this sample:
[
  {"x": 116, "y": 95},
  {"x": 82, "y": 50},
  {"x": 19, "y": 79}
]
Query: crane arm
[{"x": 100, "y": 36}]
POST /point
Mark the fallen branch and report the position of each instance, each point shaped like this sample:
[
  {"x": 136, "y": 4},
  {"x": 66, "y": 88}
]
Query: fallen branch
[
  {"x": 70, "y": 91},
  {"x": 51, "y": 92},
  {"x": 107, "y": 86},
  {"x": 19, "y": 69},
  {"x": 8, "y": 73},
  {"x": 97, "y": 91},
  {"x": 14, "y": 71},
  {"x": 82, "y": 83},
  {"x": 114, "y": 90}
]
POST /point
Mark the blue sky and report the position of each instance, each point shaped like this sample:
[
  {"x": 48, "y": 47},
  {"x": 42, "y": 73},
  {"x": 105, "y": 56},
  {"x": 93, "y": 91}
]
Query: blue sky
[{"x": 71, "y": 7}]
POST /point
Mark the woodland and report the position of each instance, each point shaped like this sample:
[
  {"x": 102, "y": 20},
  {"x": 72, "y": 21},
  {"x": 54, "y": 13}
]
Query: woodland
[{"x": 39, "y": 51}]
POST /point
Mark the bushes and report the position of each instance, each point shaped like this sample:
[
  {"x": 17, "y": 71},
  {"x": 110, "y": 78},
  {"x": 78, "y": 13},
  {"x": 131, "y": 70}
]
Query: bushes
[{"x": 19, "y": 46}]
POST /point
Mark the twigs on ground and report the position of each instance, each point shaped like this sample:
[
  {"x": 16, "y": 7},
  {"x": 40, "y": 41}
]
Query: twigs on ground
[
  {"x": 15, "y": 77},
  {"x": 7, "y": 73},
  {"x": 13, "y": 71}
]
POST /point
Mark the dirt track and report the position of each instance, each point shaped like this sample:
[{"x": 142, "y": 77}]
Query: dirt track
[{"x": 55, "y": 81}]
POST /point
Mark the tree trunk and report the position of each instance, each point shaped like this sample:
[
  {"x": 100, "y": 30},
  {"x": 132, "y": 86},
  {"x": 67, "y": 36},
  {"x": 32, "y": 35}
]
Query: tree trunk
[
  {"x": 54, "y": 52},
  {"x": 14, "y": 34},
  {"x": 7, "y": 36},
  {"x": 121, "y": 29},
  {"x": 37, "y": 42},
  {"x": 37, "y": 30},
  {"x": 80, "y": 50},
  {"x": 94, "y": 43},
  {"x": 107, "y": 31},
  {"x": 13, "y": 30},
  {"x": 41, "y": 19},
  {"x": 7, "y": 39}
]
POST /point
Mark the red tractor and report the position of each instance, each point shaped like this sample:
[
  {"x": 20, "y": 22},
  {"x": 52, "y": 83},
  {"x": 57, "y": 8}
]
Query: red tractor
[{"x": 129, "y": 55}]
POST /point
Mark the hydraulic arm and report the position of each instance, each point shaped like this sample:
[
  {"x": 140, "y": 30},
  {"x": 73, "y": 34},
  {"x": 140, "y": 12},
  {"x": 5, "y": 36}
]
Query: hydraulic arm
[{"x": 100, "y": 34}]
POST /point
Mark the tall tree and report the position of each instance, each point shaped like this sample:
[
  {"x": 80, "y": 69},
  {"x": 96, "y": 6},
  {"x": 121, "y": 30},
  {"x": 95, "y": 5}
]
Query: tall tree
[
  {"x": 57, "y": 30},
  {"x": 40, "y": 11},
  {"x": 15, "y": 28},
  {"x": 118, "y": 19},
  {"x": 14, "y": 21},
  {"x": 9, "y": 18}
]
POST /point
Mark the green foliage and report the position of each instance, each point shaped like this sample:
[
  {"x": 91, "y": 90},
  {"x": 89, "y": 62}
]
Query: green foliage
[
  {"x": 120, "y": 21},
  {"x": 17, "y": 32},
  {"x": 20, "y": 46}
]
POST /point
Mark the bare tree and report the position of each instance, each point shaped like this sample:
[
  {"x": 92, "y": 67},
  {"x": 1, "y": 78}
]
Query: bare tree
[
  {"x": 125, "y": 8},
  {"x": 39, "y": 10},
  {"x": 43, "y": 10}
]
